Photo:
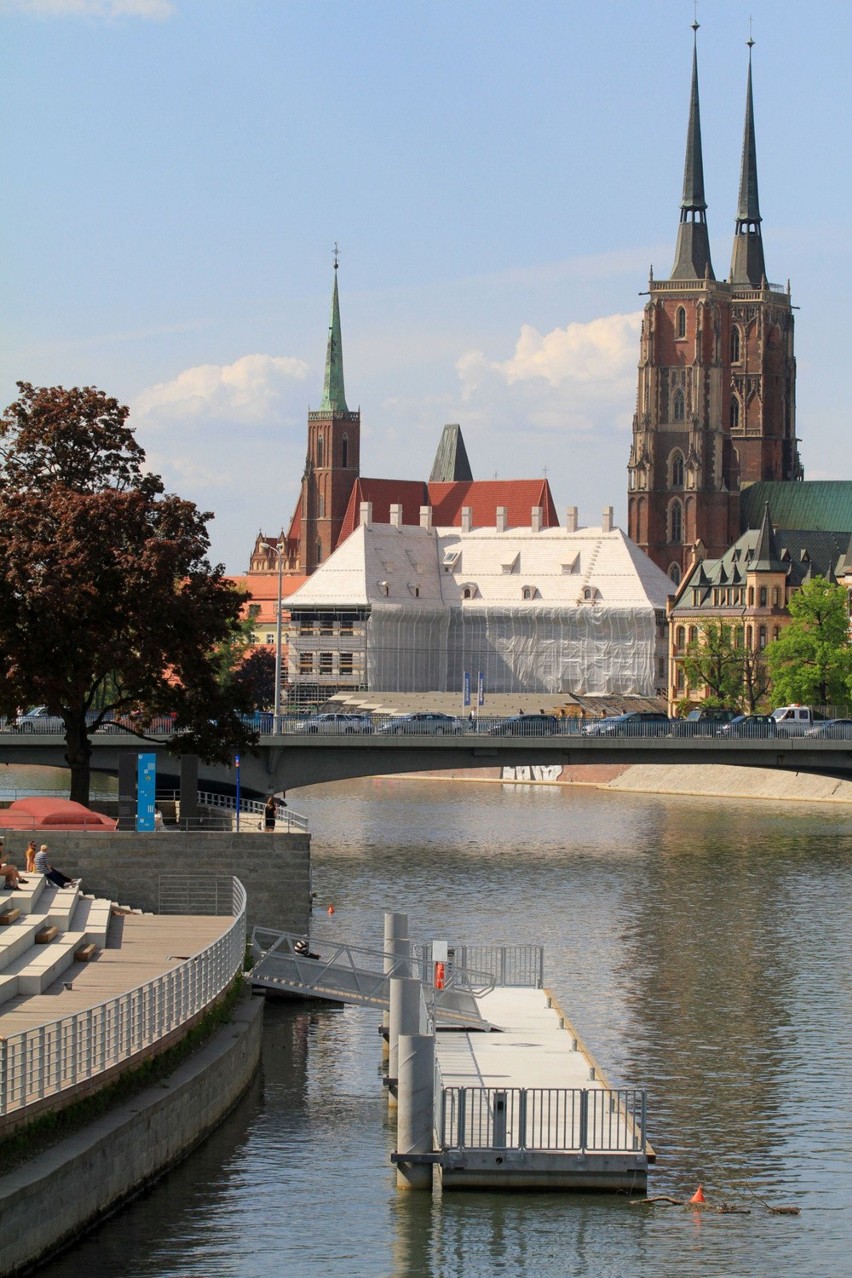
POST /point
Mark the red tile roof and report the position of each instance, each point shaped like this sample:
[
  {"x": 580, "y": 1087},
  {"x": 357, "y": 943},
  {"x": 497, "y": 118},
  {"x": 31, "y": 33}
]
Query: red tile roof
[{"x": 485, "y": 495}]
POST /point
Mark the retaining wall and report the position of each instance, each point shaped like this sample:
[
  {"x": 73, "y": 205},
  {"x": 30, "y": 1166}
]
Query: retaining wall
[
  {"x": 50, "y": 1200},
  {"x": 275, "y": 869}
]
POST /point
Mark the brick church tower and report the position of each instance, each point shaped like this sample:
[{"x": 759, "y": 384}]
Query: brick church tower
[
  {"x": 333, "y": 461},
  {"x": 716, "y": 393}
]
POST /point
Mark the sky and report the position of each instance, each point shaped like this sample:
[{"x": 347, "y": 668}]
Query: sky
[{"x": 499, "y": 177}]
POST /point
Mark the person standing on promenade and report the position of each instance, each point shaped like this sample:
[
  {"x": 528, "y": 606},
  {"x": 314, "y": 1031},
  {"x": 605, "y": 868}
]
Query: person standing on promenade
[
  {"x": 269, "y": 814},
  {"x": 30, "y": 854}
]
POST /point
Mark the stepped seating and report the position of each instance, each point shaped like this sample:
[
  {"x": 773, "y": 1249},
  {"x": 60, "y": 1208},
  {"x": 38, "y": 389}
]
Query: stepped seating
[{"x": 74, "y": 923}]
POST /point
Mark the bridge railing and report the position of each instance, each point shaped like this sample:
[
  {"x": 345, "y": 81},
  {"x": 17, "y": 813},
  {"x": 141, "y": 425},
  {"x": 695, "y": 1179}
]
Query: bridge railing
[
  {"x": 57, "y": 1057},
  {"x": 547, "y": 1119}
]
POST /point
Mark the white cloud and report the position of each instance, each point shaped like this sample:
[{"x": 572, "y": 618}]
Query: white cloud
[
  {"x": 155, "y": 10},
  {"x": 577, "y": 378},
  {"x": 254, "y": 390}
]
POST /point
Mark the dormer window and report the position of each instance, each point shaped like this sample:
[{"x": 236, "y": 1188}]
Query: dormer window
[
  {"x": 590, "y": 594},
  {"x": 452, "y": 559},
  {"x": 384, "y": 588},
  {"x": 414, "y": 590},
  {"x": 529, "y": 592},
  {"x": 571, "y": 566},
  {"x": 512, "y": 565},
  {"x": 469, "y": 590}
]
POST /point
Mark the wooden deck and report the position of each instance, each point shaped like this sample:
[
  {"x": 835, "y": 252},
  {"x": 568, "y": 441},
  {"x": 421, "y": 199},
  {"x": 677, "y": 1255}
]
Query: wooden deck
[{"x": 139, "y": 948}]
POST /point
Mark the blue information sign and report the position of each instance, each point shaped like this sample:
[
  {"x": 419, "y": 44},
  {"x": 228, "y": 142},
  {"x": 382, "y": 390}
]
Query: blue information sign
[
  {"x": 481, "y": 689},
  {"x": 466, "y": 688},
  {"x": 146, "y": 791}
]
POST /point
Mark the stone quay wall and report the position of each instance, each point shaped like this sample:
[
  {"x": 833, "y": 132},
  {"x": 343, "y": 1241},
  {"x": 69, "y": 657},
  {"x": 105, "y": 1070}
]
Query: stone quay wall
[
  {"x": 50, "y": 1200},
  {"x": 274, "y": 868}
]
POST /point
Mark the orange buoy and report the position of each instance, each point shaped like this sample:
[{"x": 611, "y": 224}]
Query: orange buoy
[
  {"x": 331, "y": 909},
  {"x": 440, "y": 976},
  {"x": 698, "y": 1196}
]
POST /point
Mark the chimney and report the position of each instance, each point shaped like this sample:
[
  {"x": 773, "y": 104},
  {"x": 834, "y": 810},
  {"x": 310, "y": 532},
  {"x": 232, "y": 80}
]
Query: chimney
[
  {"x": 501, "y": 518},
  {"x": 535, "y": 518},
  {"x": 396, "y": 515},
  {"x": 606, "y": 519},
  {"x": 425, "y": 516},
  {"x": 466, "y": 518},
  {"x": 571, "y": 519},
  {"x": 366, "y": 517}
]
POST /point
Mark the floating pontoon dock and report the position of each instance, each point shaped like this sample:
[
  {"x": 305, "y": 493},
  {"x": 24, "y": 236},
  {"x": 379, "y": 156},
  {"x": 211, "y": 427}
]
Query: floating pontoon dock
[{"x": 495, "y": 1089}]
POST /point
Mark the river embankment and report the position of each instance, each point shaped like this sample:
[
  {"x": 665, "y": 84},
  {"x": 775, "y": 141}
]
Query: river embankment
[{"x": 709, "y": 781}]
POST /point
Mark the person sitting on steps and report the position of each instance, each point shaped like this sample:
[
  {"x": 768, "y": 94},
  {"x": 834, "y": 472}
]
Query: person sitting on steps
[{"x": 43, "y": 866}]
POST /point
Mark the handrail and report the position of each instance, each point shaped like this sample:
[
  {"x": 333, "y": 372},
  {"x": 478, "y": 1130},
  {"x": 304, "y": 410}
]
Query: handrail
[
  {"x": 54, "y": 1058},
  {"x": 551, "y": 1119}
]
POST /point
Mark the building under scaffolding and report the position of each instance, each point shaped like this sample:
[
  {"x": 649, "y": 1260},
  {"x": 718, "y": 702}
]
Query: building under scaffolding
[{"x": 416, "y": 609}]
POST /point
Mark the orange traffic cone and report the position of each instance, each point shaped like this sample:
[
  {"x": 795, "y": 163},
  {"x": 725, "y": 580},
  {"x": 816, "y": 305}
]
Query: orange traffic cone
[
  {"x": 331, "y": 909},
  {"x": 698, "y": 1196}
]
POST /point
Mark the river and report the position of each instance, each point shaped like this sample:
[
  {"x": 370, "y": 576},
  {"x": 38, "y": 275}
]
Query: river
[{"x": 701, "y": 947}]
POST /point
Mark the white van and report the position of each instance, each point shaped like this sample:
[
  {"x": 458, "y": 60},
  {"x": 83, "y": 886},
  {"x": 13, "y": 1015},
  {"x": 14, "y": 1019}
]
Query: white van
[{"x": 794, "y": 721}]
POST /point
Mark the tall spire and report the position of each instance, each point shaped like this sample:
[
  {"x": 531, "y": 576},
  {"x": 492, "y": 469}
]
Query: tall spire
[
  {"x": 692, "y": 255},
  {"x": 747, "y": 263},
  {"x": 333, "y": 395}
]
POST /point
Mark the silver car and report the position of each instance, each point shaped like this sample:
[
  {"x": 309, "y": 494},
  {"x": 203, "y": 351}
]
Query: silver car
[{"x": 337, "y": 724}]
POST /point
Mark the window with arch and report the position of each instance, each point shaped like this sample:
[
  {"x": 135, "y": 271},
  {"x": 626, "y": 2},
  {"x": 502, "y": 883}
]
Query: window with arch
[
  {"x": 776, "y": 634},
  {"x": 678, "y": 411},
  {"x": 748, "y": 638},
  {"x": 762, "y": 596},
  {"x": 735, "y": 345},
  {"x": 762, "y": 638},
  {"x": 319, "y": 552},
  {"x": 679, "y": 679},
  {"x": 776, "y": 596},
  {"x": 321, "y": 506},
  {"x": 680, "y": 634},
  {"x": 528, "y": 592},
  {"x": 735, "y": 413},
  {"x": 677, "y": 470},
  {"x": 693, "y": 634},
  {"x": 675, "y": 528},
  {"x": 751, "y": 596},
  {"x": 320, "y": 449},
  {"x": 680, "y": 322},
  {"x": 344, "y": 451},
  {"x": 674, "y": 574}
]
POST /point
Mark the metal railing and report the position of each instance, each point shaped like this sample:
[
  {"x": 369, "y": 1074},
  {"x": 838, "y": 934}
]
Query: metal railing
[
  {"x": 222, "y": 813},
  {"x": 50, "y": 1059},
  {"x": 510, "y": 965},
  {"x": 548, "y": 1119}
]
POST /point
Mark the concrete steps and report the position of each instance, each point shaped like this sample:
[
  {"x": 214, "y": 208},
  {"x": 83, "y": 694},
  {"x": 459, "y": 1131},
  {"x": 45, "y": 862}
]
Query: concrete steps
[{"x": 28, "y": 967}]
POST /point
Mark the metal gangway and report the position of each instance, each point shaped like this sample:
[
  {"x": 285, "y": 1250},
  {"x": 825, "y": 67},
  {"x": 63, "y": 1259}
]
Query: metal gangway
[{"x": 355, "y": 974}]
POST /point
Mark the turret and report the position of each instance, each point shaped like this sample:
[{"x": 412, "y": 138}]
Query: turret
[{"x": 747, "y": 263}]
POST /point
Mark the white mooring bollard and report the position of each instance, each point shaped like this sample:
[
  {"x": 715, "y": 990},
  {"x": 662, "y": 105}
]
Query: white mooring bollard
[
  {"x": 415, "y": 1116},
  {"x": 405, "y": 996}
]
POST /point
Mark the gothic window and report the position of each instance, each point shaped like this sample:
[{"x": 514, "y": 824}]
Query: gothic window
[
  {"x": 680, "y": 322},
  {"x": 674, "y": 574},
  {"x": 678, "y": 405},
  {"x": 677, "y": 470},
  {"x": 321, "y": 506},
  {"x": 320, "y": 446},
  {"x": 735, "y": 345},
  {"x": 693, "y": 634},
  {"x": 319, "y": 552},
  {"x": 675, "y": 526},
  {"x": 735, "y": 413},
  {"x": 345, "y": 451}
]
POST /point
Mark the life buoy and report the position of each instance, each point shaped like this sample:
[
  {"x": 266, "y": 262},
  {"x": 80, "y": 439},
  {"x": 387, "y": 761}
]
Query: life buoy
[{"x": 440, "y": 976}]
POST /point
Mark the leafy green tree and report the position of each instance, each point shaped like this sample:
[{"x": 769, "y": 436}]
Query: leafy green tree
[
  {"x": 715, "y": 660},
  {"x": 108, "y": 603},
  {"x": 811, "y": 661},
  {"x": 257, "y": 674}
]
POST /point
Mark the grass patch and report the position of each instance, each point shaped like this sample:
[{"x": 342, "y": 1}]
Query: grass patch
[{"x": 49, "y": 1128}]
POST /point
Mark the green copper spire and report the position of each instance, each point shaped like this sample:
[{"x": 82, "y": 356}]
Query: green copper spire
[
  {"x": 333, "y": 395},
  {"x": 692, "y": 255},
  {"x": 747, "y": 263}
]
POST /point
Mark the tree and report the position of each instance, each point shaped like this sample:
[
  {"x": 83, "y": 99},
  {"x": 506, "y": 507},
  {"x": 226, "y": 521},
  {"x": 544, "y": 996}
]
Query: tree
[
  {"x": 108, "y": 603},
  {"x": 257, "y": 675},
  {"x": 811, "y": 661},
  {"x": 715, "y": 660}
]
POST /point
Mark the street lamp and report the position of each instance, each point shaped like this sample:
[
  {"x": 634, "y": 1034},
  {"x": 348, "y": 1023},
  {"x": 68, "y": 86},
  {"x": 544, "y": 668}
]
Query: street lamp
[{"x": 276, "y": 712}]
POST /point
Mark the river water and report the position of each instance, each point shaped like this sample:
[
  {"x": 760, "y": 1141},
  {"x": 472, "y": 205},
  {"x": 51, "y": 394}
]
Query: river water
[{"x": 701, "y": 947}]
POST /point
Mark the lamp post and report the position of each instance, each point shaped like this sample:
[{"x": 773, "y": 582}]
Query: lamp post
[{"x": 276, "y": 711}]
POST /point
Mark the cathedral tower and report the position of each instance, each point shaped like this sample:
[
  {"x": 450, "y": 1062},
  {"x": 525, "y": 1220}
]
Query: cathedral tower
[
  {"x": 334, "y": 456},
  {"x": 716, "y": 389}
]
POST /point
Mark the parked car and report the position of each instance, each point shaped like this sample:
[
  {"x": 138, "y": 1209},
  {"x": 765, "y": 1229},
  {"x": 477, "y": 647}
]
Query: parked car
[
  {"x": 635, "y": 723},
  {"x": 527, "y": 725},
  {"x": 423, "y": 723},
  {"x": 749, "y": 725},
  {"x": 703, "y": 721},
  {"x": 39, "y": 719},
  {"x": 333, "y": 722},
  {"x": 834, "y": 729}
]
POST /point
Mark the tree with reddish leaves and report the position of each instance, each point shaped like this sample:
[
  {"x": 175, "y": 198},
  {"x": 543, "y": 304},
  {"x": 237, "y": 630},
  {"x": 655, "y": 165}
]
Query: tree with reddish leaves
[{"x": 108, "y": 603}]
